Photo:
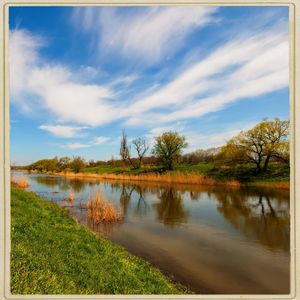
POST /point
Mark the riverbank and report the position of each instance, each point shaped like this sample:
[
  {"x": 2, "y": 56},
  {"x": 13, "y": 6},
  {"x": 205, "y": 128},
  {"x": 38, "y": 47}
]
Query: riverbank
[
  {"x": 178, "y": 177},
  {"x": 51, "y": 254}
]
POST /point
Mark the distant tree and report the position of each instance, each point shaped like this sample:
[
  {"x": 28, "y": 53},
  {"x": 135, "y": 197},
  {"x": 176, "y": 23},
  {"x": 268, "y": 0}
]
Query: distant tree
[
  {"x": 201, "y": 155},
  {"x": 77, "y": 164},
  {"x": 266, "y": 140},
  {"x": 124, "y": 149},
  {"x": 168, "y": 148},
  {"x": 141, "y": 148},
  {"x": 63, "y": 163}
]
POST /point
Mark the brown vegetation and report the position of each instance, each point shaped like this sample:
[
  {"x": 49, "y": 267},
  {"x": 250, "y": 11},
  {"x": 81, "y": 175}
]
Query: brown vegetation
[
  {"x": 21, "y": 182},
  {"x": 174, "y": 177},
  {"x": 100, "y": 210}
]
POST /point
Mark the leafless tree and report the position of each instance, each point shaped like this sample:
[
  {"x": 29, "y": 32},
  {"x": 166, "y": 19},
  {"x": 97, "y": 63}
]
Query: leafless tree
[{"x": 141, "y": 148}]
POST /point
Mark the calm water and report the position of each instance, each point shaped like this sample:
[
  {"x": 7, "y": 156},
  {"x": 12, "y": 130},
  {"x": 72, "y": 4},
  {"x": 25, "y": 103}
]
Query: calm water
[{"x": 214, "y": 240}]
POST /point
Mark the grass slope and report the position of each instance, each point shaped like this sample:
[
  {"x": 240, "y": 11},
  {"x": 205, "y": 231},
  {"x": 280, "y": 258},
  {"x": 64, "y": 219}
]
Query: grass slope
[
  {"x": 52, "y": 255},
  {"x": 245, "y": 173}
]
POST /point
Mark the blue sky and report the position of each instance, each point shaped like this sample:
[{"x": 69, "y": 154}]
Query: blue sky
[{"x": 79, "y": 75}]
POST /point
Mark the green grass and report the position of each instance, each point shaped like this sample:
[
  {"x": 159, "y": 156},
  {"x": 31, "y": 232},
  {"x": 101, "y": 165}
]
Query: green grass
[
  {"x": 245, "y": 173},
  {"x": 51, "y": 254},
  {"x": 107, "y": 169}
]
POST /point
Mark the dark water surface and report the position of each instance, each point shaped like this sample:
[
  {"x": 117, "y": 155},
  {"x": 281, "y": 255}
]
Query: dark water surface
[{"x": 214, "y": 240}]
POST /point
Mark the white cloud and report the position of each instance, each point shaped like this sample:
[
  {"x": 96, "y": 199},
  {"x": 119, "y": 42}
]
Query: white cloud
[
  {"x": 124, "y": 80},
  {"x": 101, "y": 140},
  {"x": 76, "y": 145},
  {"x": 243, "y": 68},
  {"x": 63, "y": 131},
  {"x": 149, "y": 35},
  {"x": 34, "y": 79}
]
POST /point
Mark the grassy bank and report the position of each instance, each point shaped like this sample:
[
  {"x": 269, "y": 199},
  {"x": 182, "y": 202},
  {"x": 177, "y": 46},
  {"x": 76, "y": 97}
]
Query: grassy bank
[
  {"x": 51, "y": 254},
  {"x": 277, "y": 176}
]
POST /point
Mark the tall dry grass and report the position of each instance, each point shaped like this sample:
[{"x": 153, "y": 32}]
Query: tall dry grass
[
  {"x": 100, "y": 210},
  {"x": 170, "y": 177},
  {"x": 20, "y": 182}
]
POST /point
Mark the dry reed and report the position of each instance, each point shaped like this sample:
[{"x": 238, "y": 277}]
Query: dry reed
[
  {"x": 100, "y": 210},
  {"x": 174, "y": 177},
  {"x": 21, "y": 182}
]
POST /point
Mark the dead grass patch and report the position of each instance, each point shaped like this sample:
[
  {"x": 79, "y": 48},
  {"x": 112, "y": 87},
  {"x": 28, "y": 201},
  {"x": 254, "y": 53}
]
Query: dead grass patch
[
  {"x": 100, "y": 210},
  {"x": 21, "y": 182},
  {"x": 170, "y": 177}
]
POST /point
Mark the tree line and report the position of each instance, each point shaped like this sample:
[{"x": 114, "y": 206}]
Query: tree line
[{"x": 267, "y": 141}]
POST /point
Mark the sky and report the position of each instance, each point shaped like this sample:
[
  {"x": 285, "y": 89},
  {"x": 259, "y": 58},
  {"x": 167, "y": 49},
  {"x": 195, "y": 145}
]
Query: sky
[{"x": 80, "y": 75}]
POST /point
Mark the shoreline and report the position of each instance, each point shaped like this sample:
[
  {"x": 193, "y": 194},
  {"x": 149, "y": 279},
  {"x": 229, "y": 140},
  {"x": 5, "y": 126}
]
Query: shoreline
[
  {"x": 104, "y": 267},
  {"x": 191, "y": 178}
]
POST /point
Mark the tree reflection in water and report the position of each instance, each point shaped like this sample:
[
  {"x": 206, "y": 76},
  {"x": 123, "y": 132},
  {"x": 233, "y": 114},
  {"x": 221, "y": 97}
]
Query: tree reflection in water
[
  {"x": 259, "y": 214},
  {"x": 125, "y": 197},
  {"x": 259, "y": 217},
  {"x": 170, "y": 210},
  {"x": 48, "y": 181},
  {"x": 141, "y": 208},
  {"x": 77, "y": 185}
]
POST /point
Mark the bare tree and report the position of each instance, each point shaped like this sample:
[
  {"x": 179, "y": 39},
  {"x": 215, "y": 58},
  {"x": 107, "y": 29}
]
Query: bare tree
[
  {"x": 141, "y": 148},
  {"x": 124, "y": 150}
]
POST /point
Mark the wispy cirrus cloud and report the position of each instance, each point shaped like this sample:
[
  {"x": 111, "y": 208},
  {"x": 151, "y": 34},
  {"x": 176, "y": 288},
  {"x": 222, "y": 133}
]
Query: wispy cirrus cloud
[
  {"x": 247, "y": 65},
  {"x": 148, "y": 34},
  {"x": 64, "y": 131},
  {"x": 76, "y": 145},
  {"x": 100, "y": 140},
  {"x": 244, "y": 67}
]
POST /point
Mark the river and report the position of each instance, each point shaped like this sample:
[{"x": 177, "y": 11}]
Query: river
[{"x": 215, "y": 240}]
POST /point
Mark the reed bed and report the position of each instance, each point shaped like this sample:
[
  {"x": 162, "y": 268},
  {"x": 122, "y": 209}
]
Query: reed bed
[
  {"x": 100, "y": 210},
  {"x": 170, "y": 177},
  {"x": 21, "y": 182}
]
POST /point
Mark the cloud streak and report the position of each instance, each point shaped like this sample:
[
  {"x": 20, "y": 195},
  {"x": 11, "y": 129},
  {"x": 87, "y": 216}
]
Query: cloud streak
[
  {"x": 149, "y": 34},
  {"x": 100, "y": 140},
  {"x": 64, "y": 131},
  {"x": 246, "y": 66}
]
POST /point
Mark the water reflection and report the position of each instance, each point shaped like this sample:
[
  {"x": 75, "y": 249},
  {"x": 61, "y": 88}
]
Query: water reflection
[
  {"x": 142, "y": 207},
  {"x": 126, "y": 193},
  {"x": 48, "y": 181},
  {"x": 261, "y": 217},
  {"x": 170, "y": 209},
  {"x": 259, "y": 214},
  {"x": 239, "y": 236}
]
